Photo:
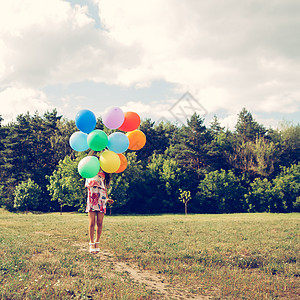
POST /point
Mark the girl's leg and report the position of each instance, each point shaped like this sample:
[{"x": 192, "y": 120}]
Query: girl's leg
[
  {"x": 100, "y": 217},
  {"x": 92, "y": 217}
]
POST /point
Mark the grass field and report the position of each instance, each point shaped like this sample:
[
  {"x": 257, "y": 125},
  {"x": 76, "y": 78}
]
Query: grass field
[{"x": 239, "y": 256}]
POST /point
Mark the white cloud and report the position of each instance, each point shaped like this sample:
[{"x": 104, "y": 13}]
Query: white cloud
[
  {"x": 19, "y": 101},
  {"x": 269, "y": 122},
  {"x": 230, "y": 121},
  {"x": 155, "y": 109},
  {"x": 20, "y": 15},
  {"x": 228, "y": 54},
  {"x": 48, "y": 42},
  {"x": 174, "y": 110},
  {"x": 284, "y": 103},
  {"x": 227, "y": 51}
]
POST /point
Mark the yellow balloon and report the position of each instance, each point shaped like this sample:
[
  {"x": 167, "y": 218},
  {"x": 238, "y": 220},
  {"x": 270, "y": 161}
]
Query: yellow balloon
[{"x": 109, "y": 161}]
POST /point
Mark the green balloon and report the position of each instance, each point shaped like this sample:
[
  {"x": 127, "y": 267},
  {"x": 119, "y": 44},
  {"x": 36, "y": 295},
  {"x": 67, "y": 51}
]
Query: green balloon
[
  {"x": 97, "y": 140},
  {"x": 89, "y": 167}
]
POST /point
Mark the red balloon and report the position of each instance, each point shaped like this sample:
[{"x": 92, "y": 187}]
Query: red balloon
[{"x": 131, "y": 121}]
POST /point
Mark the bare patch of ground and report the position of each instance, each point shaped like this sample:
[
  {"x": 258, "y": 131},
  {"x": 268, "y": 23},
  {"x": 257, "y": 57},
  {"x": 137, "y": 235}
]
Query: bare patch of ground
[{"x": 151, "y": 280}]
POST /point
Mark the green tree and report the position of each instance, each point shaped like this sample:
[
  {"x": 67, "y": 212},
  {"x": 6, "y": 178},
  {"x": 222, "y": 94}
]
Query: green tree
[
  {"x": 290, "y": 144},
  {"x": 59, "y": 140},
  {"x": 221, "y": 192},
  {"x": 1, "y": 195},
  {"x": 28, "y": 153},
  {"x": 27, "y": 195},
  {"x": 164, "y": 177},
  {"x": 247, "y": 128},
  {"x": 16, "y": 157},
  {"x": 118, "y": 191},
  {"x": 3, "y": 134},
  {"x": 164, "y": 132},
  {"x": 147, "y": 127},
  {"x": 197, "y": 139},
  {"x": 220, "y": 144},
  {"x": 184, "y": 197},
  {"x": 126, "y": 187},
  {"x": 254, "y": 157},
  {"x": 260, "y": 196},
  {"x": 99, "y": 124},
  {"x": 129, "y": 188},
  {"x": 278, "y": 195},
  {"x": 286, "y": 189},
  {"x": 66, "y": 186},
  {"x": 191, "y": 149},
  {"x": 43, "y": 153}
]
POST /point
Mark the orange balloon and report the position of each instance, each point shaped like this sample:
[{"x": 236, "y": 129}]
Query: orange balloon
[
  {"x": 123, "y": 164},
  {"x": 131, "y": 121},
  {"x": 137, "y": 139}
]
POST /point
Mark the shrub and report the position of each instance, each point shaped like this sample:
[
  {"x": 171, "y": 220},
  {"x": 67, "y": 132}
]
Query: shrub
[
  {"x": 27, "y": 195},
  {"x": 286, "y": 189},
  {"x": 260, "y": 197},
  {"x": 221, "y": 192}
]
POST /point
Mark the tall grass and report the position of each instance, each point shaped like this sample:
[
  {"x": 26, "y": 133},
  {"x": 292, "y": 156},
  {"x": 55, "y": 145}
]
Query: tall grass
[{"x": 239, "y": 256}]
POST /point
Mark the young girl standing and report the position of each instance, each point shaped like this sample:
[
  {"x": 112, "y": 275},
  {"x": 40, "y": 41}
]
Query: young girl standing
[{"x": 96, "y": 206}]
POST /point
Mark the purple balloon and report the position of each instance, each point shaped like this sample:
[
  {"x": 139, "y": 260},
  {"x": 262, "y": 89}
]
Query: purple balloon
[{"x": 113, "y": 118}]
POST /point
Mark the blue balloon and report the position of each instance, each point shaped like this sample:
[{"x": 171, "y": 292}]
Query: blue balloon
[
  {"x": 85, "y": 120},
  {"x": 78, "y": 141},
  {"x": 118, "y": 142}
]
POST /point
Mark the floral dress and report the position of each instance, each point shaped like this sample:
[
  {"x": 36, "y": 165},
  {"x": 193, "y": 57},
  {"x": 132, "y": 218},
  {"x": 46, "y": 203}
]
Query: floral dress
[{"x": 97, "y": 195}]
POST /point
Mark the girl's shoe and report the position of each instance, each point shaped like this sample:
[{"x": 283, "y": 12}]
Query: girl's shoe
[
  {"x": 92, "y": 249},
  {"x": 97, "y": 249}
]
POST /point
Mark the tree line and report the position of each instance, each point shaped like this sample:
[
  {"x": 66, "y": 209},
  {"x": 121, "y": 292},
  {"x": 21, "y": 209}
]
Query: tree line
[{"x": 192, "y": 167}]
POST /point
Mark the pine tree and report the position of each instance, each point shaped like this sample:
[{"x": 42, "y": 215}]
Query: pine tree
[
  {"x": 247, "y": 128},
  {"x": 220, "y": 143},
  {"x": 17, "y": 157},
  {"x": 195, "y": 144}
]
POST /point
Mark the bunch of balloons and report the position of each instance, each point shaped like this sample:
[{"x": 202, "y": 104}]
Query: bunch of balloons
[{"x": 112, "y": 159}]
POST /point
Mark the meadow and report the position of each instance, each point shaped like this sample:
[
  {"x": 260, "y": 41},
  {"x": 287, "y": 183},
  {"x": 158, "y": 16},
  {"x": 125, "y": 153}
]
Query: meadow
[{"x": 234, "y": 256}]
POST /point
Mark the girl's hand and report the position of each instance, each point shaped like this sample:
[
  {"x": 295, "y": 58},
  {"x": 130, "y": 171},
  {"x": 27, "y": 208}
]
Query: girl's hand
[{"x": 110, "y": 201}]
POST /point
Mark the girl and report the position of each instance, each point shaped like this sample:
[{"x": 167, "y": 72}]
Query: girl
[{"x": 96, "y": 206}]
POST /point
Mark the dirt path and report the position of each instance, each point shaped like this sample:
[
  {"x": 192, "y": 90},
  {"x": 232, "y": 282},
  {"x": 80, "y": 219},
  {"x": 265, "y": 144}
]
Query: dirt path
[{"x": 150, "y": 279}]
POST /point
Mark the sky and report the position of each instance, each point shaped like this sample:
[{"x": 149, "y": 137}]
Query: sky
[{"x": 164, "y": 60}]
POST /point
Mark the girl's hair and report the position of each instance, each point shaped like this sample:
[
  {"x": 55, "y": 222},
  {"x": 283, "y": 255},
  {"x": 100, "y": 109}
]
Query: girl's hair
[
  {"x": 107, "y": 178},
  {"x": 107, "y": 175}
]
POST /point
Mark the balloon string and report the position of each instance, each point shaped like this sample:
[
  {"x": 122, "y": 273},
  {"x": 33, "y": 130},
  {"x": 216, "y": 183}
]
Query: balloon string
[{"x": 91, "y": 153}]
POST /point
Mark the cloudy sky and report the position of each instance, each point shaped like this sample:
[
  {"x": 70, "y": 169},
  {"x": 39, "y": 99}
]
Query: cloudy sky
[{"x": 144, "y": 56}]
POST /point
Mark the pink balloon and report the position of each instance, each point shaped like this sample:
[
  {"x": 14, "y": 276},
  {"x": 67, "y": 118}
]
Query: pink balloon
[{"x": 113, "y": 118}]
